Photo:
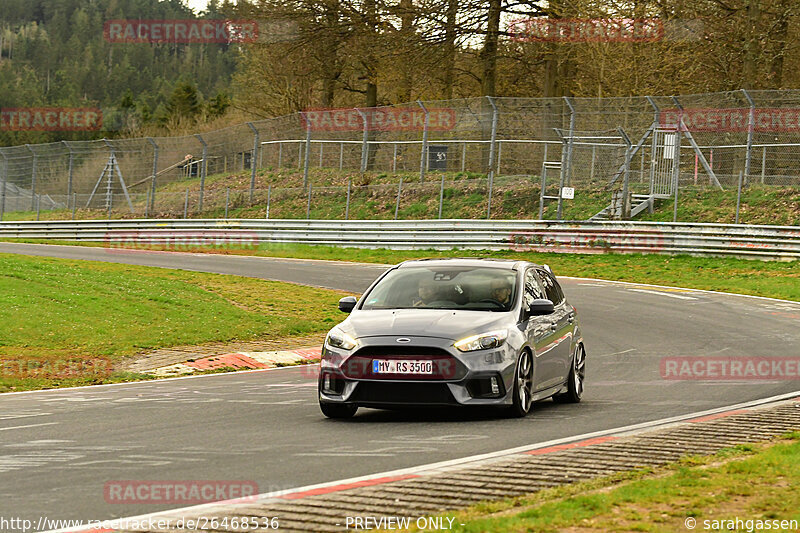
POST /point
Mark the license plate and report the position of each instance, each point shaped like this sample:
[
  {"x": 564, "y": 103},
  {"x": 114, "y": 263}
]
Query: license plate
[{"x": 402, "y": 366}]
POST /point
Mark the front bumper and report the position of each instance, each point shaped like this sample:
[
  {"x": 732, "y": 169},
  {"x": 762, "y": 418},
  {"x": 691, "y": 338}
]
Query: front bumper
[{"x": 482, "y": 377}]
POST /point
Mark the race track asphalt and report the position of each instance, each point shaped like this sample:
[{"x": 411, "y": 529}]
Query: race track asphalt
[{"x": 59, "y": 449}]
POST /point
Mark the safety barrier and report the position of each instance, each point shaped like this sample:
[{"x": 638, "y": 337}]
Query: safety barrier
[{"x": 766, "y": 242}]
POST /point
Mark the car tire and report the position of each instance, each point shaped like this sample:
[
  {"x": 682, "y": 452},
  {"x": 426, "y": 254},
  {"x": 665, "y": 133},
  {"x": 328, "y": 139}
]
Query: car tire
[
  {"x": 523, "y": 386},
  {"x": 338, "y": 410},
  {"x": 577, "y": 374}
]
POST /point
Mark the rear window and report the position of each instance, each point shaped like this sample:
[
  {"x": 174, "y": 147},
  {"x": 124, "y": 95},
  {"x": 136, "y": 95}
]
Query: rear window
[{"x": 479, "y": 289}]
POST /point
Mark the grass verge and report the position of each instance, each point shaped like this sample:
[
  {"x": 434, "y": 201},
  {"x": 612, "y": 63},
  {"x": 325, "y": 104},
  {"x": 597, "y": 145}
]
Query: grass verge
[
  {"x": 69, "y": 322},
  {"x": 749, "y": 482},
  {"x": 742, "y": 276}
]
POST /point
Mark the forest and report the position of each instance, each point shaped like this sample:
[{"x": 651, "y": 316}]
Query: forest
[{"x": 313, "y": 54}]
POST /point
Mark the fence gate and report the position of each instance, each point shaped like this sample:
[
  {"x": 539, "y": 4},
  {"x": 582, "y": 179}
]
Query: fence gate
[{"x": 665, "y": 152}]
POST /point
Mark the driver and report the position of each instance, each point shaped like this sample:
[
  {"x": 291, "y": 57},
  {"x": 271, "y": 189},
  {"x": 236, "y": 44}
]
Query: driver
[
  {"x": 427, "y": 291},
  {"x": 501, "y": 291}
]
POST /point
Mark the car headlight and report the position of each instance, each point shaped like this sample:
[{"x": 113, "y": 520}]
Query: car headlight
[
  {"x": 339, "y": 339},
  {"x": 484, "y": 341}
]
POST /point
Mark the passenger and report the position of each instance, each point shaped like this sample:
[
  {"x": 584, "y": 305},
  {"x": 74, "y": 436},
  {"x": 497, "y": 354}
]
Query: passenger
[{"x": 501, "y": 291}]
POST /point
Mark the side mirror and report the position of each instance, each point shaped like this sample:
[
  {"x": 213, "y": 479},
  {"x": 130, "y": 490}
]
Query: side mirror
[
  {"x": 541, "y": 307},
  {"x": 347, "y": 304}
]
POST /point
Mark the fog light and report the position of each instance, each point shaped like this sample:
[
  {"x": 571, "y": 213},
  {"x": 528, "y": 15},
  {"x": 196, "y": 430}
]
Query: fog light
[
  {"x": 326, "y": 384},
  {"x": 495, "y": 385}
]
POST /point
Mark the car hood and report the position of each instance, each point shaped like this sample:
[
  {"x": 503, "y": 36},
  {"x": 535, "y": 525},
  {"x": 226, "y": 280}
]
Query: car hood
[{"x": 441, "y": 323}]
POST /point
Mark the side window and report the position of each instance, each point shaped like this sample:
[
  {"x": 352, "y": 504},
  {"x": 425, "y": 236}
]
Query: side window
[
  {"x": 551, "y": 287},
  {"x": 533, "y": 291}
]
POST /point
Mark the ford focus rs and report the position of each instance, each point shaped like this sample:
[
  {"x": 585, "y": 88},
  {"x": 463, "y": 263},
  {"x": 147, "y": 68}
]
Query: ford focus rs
[{"x": 462, "y": 332}]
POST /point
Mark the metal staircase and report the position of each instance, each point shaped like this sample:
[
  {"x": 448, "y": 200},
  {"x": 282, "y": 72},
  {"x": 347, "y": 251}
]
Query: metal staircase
[
  {"x": 665, "y": 168},
  {"x": 639, "y": 202}
]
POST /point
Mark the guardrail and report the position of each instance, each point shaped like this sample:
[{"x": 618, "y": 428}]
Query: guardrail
[{"x": 765, "y": 242}]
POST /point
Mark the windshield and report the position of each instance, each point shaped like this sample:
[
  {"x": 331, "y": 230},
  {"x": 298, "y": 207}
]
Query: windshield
[{"x": 478, "y": 289}]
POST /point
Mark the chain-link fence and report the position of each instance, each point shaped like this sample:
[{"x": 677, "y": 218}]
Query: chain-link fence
[{"x": 445, "y": 151}]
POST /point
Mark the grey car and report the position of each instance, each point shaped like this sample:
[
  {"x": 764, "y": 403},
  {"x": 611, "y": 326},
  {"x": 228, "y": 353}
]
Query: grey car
[{"x": 462, "y": 332}]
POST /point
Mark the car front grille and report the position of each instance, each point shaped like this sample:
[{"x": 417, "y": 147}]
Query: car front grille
[{"x": 393, "y": 393}]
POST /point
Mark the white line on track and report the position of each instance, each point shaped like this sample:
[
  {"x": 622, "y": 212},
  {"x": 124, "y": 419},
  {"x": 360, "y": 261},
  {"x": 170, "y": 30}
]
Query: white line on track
[
  {"x": 29, "y": 426},
  {"x": 671, "y": 295},
  {"x": 688, "y": 289}
]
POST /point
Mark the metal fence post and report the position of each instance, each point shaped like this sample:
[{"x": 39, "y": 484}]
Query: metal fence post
[
  {"x": 5, "y": 185},
  {"x": 423, "y": 164},
  {"x": 364, "y": 140},
  {"x": 74, "y": 204},
  {"x": 253, "y": 161},
  {"x": 763, "y": 163},
  {"x": 154, "y": 177},
  {"x": 492, "y": 142},
  {"x": 69, "y": 169},
  {"x": 39, "y": 204},
  {"x": 308, "y": 205},
  {"x": 653, "y": 145},
  {"x": 751, "y": 119},
  {"x": 280, "y": 154},
  {"x": 676, "y": 167},
  {"x": 186, "y": 204},
  {"x": 394, "y": 157},
  {"x": 269, "y": 198},
  {"x": 308, "y": 150},
  {"x": 626, "y": 206},
  {"x": 203, "y": 171},
  {"x": 562, "y": 175},
  {"x": 568, "y": 171},
  {"x": 227, "y": 200},
  {"x": 33, "y": 178},
  {"x": 341, "y": 155},
  {"x": 397, "y": 204}
]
